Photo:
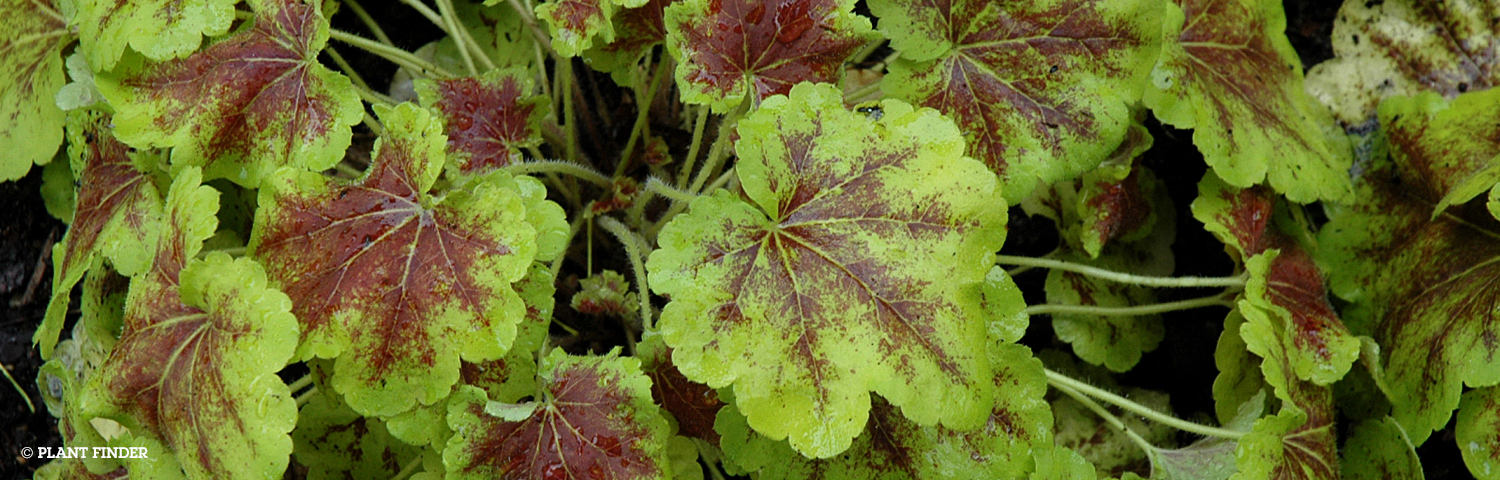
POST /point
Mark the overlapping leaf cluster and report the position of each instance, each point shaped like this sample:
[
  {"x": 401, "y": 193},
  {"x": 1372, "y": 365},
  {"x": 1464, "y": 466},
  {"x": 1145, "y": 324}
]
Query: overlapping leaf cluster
[{"x": 818, "y": 295}]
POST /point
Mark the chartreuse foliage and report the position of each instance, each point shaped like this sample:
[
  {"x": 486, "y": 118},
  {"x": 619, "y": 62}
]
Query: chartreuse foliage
[
  {"x": 1228, "y": 72},
  {"x": 759, "y": 273},
  {"x": 819, "y": 285},
  {"x": 1041, "y": 88}
]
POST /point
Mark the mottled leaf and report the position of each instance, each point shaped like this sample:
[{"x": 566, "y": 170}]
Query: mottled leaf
[
  {"x": 856, "y": 261},
  {"x": 892, "y": 447},
  {"x": 31, "y": 55},
  {"x": 434, "y": 274},
  {"x": 692, "y": 405},
  {"x": 335, "y": 442},
  {"x": 1299, "y": 441},
  {"x": 1058, "y": 463},
  {"x": 575, "y": 23},
  {"x": 1379, "y": 450},
  {"x": 1114, "y": 341},
  {"x": 1402, "y": 47},
  {"x": 159, "y": 29},
  {"x": 489, "y": 120},
  {"x": 117, "y": 215},
  {"x": 203, "y": 339},
  {"x": 1228, "y": 72},
  {"x": 1287, "y": 286},
  {"x": 245, "y": 105},
  {"x": 606, "y": 293},
  {"x": 728, "y": 49},
  {"x": 1447, "y": 150},
  {"x": 596, "y": 421},
  {"x": 1239, "y": 377},
  {"x": 1422, "y": 288},
  {"x": 1122, "y": 201},
  {"x": 637, "y": 30},
  {"x": 1044, "y": 88},
  {"x": 1478, "y": 432}
]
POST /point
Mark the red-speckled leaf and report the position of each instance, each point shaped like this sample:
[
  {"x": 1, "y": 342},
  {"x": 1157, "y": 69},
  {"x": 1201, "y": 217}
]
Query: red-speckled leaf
[
  {"x": 1287, "y": 286},
  {"x": 244, "y": 106},
  {"x": 1423, "y": 287},
  {"x": 636, "y": 31},
  {"x": 1449, "y": 150},
  {"x": 395, "y": 283},
  {"x": 894, "y": 448},
  {"x": 1044, "y": 88},
  {"x": 1404, "y": 47},
  {"x": 857, "y": 260},
  {"x": 1299, "y": 442},
  {"x": 196, "y": 363},
  {"x": 35, "y": 33},
  {"x": 489, "y": 120},
  {"x": 117, "y": 215},
  {"x": 597, "y": 422},
  {"x": 576, "y": 23},
  {"x": 693, "y": 405},
  {"x": 159, "y": 29},
  {"x": 1228, "y": 72},
  {"x": 726, "y": 49}
]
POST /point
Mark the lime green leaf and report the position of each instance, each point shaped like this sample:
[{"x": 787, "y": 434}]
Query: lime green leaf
[
  {"x": 1210, "y": 458},
  {"x": 596, "y": 421},
  {"x": 1044, "y": 87},
  {"x": 637, "y": 30},
  {"x": 893, "y": 447},
  {"x": 857, "y": 262},
  {"x": 249, "y": 103},
  {"x": 1379, "y": 450},
  {"x": 58, "y": 189},
  {"x": 1228, "y": 72},
  {"x": 1080, "y": 429},
  {"x": 1058, "y": 463},
  {"x": 575, "y": 23},
  {"x": 1299, "y": 441},
  {"x": 31, "y": 51},
  {"x": 335, "y": 442},
  {"x": 1122, "y": 201},
  {"x": 80, "y": 91},
  {"x": 159, "y": 29},
  {"x": 728, "y": 49},
  {"x": 1239, "y": 377},
  {"x": 1402, "y": 47},
  {"x": 1448, "y": 150},
  {"x": 196, "y": 364},
  {"x": 1422, "y": 288},
  {"x": 436, "y": 272},
  {"x": 1479, "y": 432},
  {"x": 489, "y": 120},
  {"x": 1115, "y": 341},
  {"x": 117, "y": 215},
  {"x": 1286, "y": 286}
]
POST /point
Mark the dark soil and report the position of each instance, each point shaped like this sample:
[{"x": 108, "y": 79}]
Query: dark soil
[{"x": 26, "y": 237}]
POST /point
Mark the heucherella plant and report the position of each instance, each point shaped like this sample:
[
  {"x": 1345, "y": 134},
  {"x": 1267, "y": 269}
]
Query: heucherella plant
[{"x": 776, "y": 230}]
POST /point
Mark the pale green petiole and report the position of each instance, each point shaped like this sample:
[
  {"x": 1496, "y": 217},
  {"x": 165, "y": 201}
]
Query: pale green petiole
[
  {"x": 1142, "y": 280},
  {"x": 1063, "y": 381}
]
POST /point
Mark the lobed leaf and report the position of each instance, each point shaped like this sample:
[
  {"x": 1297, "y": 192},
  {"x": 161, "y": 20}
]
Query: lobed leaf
[
  {"x": 1421, "y": 287},
  {"x": 245, "y": 105},
  {"x": 856, "y": 261},
  {"x": 692, "y": 406},
  {"x": 117, "y": 216},
  {"x": 436, "y": 273},
  {"x": 1448, "y": 150},
  {"x": 196, "y": 363},
  {"x": 893, "y": 447},
  {"x": 1228, "y": 72},
  {"x": 335, "y": 442},
  {"x": 1285, "y": 284},
  {"x": 596, "y": 421},
  {"x": 1299, "y": 441},
  {"x": 1115, "y": 341},
  {"x": 489, "y": 120},
  {"x": 729, "y": 49},
  {"x": 1043, "y": 87},
  {"x": 31, "y": 57},
  {"x": 1404, "y": 47},
  {"x": 1478, "y": 432},
  {"x": 159, "y": 29},
  {"x": 637, "y": 30},
  {"x": 1379, "y": 449}
]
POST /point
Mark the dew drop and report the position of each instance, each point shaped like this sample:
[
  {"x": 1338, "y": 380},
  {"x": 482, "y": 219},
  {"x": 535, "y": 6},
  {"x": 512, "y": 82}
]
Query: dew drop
[
  {"x": 609, "y": 445},
  {"x": 792, "y": 19},
  {"x": 463, "y": 122}
]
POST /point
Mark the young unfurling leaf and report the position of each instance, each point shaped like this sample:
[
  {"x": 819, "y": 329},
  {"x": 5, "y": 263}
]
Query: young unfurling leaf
[{"x": 855, "y": 261}]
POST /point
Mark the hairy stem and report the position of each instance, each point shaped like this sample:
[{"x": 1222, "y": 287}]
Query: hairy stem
[
  {"x": 559, "y": 166},
  {"x": 693, "y": 148},
  {"x": 717, "y": 153},
  {"x": 862, "y": 92},
  {"x": 457, "y": 31},
  {"x": 369, "y": 21},
  {"x": 1057, "y": 379},
  {"x": 570, "y": 113},
  {"x": 542, "y": 40},
  {"x": 1189, "y": 304},
  {"x": 655, "y": 185},
  {"x": 633, "y": 249},
  {"x": 1109, "y": 418},
  {"x": 1142, "y": 280},
  {"x": 395, "y": 55},
  {"x": 300, "y": 383},
  {"x": 642, "y": 114},
  {"x": 306, "y": 396},
  {"x": 466, "y": 38}
]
